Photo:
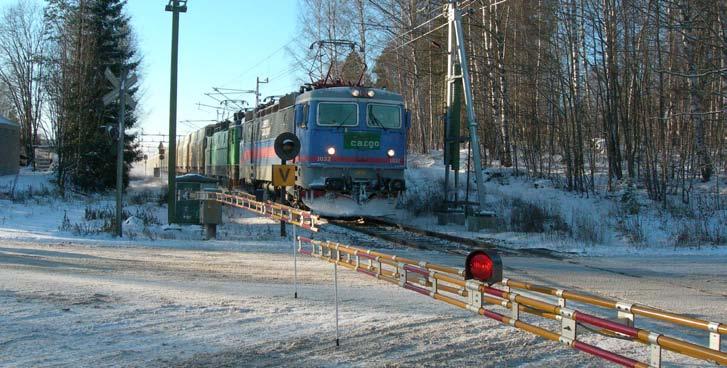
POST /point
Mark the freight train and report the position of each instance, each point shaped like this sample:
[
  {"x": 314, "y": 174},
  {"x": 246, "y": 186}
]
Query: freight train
[{"x": 353, "y": 147}]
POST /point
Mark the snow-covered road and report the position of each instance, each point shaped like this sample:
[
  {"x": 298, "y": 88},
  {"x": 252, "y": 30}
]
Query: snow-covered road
[{"x": 196, "y": 304}]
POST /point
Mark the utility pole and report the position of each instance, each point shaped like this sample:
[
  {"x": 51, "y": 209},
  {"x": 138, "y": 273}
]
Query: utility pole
[
  {"x": 455, "y": 29},
  {"x": 176, "y": 7},
  {"x": 257, "y": 90}
]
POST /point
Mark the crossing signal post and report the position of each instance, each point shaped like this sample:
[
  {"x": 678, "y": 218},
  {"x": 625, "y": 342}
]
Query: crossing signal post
[
  {"x": 161, "y": 163},
  {"x": 283, "y": 175},
  {"x": 287, "y": 147},
  {"x": 161, "y": 151},
  {"x": 120, "y": 91}
]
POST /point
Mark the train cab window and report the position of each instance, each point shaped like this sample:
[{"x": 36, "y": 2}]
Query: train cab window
[
  {"x": 383, "y": 116},
  {"x": 337, "y": 114},
  {"x": 304, "y": 118}
]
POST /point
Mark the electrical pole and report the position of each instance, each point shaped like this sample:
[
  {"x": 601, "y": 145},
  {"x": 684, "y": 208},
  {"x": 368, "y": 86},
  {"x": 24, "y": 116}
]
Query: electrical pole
[
  {"x": 455, "y": 26},
  {"x": 176, "y": 7},
  {"x": 257, "y": 90}
]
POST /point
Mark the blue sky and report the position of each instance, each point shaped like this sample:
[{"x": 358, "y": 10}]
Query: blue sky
[{"x": 222, "y": 43}]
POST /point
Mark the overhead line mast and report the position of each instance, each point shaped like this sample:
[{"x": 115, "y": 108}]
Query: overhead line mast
[
  {"x": 176, "y": 7},
  {"x": 456, "y": 41},
  {"x": 257, "y": 90}
]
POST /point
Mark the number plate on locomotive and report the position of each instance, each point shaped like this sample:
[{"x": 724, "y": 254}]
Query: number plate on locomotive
[{"x": 362, "y": 140}]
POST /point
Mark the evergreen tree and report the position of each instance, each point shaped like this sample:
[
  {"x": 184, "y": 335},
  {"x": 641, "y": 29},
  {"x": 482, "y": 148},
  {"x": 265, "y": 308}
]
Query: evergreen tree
[
  {"x": 352, "y": 68},
  {"x": 89, "y": 36},
  {"x": 114, "y": 49}
]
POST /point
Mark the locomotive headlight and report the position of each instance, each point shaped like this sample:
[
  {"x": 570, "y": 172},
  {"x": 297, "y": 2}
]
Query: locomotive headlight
[
  {"x": 371, "y": 93},
  {"x": 356, "y": 93},
  {"x": 331, "y": 151},
  {"x": 391, "y": 153}
]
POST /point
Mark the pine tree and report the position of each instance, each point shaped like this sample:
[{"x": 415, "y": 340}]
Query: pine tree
[
  {"x": 352, "y": 69},
  {"x": 114, "y": 49},
  {"x": 89, "y": 36}
]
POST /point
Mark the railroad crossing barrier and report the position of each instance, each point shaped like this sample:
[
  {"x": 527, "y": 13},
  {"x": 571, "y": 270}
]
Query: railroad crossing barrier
[
  {"x": 448, "y": 284},
  {"x": 275, "y": 211}
]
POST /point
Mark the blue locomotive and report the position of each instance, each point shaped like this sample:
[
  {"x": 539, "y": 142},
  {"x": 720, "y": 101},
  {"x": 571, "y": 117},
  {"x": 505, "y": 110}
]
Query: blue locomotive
[{"x": 353, "y": 147}]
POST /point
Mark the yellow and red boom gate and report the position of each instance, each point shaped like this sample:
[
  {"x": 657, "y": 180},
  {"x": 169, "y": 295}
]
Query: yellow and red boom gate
[
  {"x": 275, "y": 211},
  {"x": 448, "y": 284}
]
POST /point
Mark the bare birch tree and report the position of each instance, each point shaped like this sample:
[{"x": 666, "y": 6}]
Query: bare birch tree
[{"x": 22, "y": 54}]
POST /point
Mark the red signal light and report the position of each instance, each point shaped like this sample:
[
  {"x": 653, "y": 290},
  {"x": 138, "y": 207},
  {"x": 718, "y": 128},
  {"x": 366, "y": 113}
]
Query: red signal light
[
  {"x": 481, "y": 266},
  {"x": 485, "y": 266}
]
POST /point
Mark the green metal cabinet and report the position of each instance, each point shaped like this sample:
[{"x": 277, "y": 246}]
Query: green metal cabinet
[{"x": 188, "y": 208}]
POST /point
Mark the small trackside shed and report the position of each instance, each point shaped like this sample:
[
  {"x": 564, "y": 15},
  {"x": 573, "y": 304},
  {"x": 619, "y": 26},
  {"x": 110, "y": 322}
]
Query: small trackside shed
[{"x": 9, "y": 146}]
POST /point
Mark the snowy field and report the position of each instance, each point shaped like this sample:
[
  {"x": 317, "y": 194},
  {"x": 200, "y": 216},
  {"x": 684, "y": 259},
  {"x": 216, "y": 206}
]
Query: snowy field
[{"x": 71, "y": 295}]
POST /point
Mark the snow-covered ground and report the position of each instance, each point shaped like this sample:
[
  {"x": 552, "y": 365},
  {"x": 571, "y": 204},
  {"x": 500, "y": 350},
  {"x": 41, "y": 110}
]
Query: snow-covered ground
[
  {"x": 93, "y": 304},
  {"x": 36, "y": 212},
  {"x": 537, "y": 213},
  {"x": 73, "y": 296}
]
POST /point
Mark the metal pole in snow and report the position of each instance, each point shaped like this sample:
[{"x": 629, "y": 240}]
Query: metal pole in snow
[
  {"x": 120, "y": 153},
  {"x": 335, "y": 292},
  {"x": 456, "y": 17},
  {"x": 175, "y": 7},
  {"x": 295, "y": 265},
  {"x": 282, "y": 202}
]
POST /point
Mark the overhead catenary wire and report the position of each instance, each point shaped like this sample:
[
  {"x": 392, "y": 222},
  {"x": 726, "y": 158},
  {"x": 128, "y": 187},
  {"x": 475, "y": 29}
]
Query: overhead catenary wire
[
  {"x": 296, "y": 66},
  {"x": 419, "y": 26},
  {"x": 394, "y": 17},
  {"x": 257, "y": 64},
  {"x": 495, "y": 4},
  {"x": 435, "y": 29},
  {"x": 285, "y": 72},
  {"x": 420, "y": 37}
]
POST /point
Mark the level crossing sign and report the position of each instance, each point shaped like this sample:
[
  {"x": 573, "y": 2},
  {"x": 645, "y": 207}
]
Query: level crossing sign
[
  {"x": 283, "y": 175},
  {"x": 121, "y": 85}
]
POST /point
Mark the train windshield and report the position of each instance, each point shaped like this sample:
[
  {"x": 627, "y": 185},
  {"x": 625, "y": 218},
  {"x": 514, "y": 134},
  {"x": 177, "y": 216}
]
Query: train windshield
[
  {"x": 384, "y": 116},
  {"x": 337, "y": 114}
]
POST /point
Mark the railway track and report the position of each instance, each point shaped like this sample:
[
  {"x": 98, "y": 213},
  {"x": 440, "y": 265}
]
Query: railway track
[{"x": 413, "y": 237}]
